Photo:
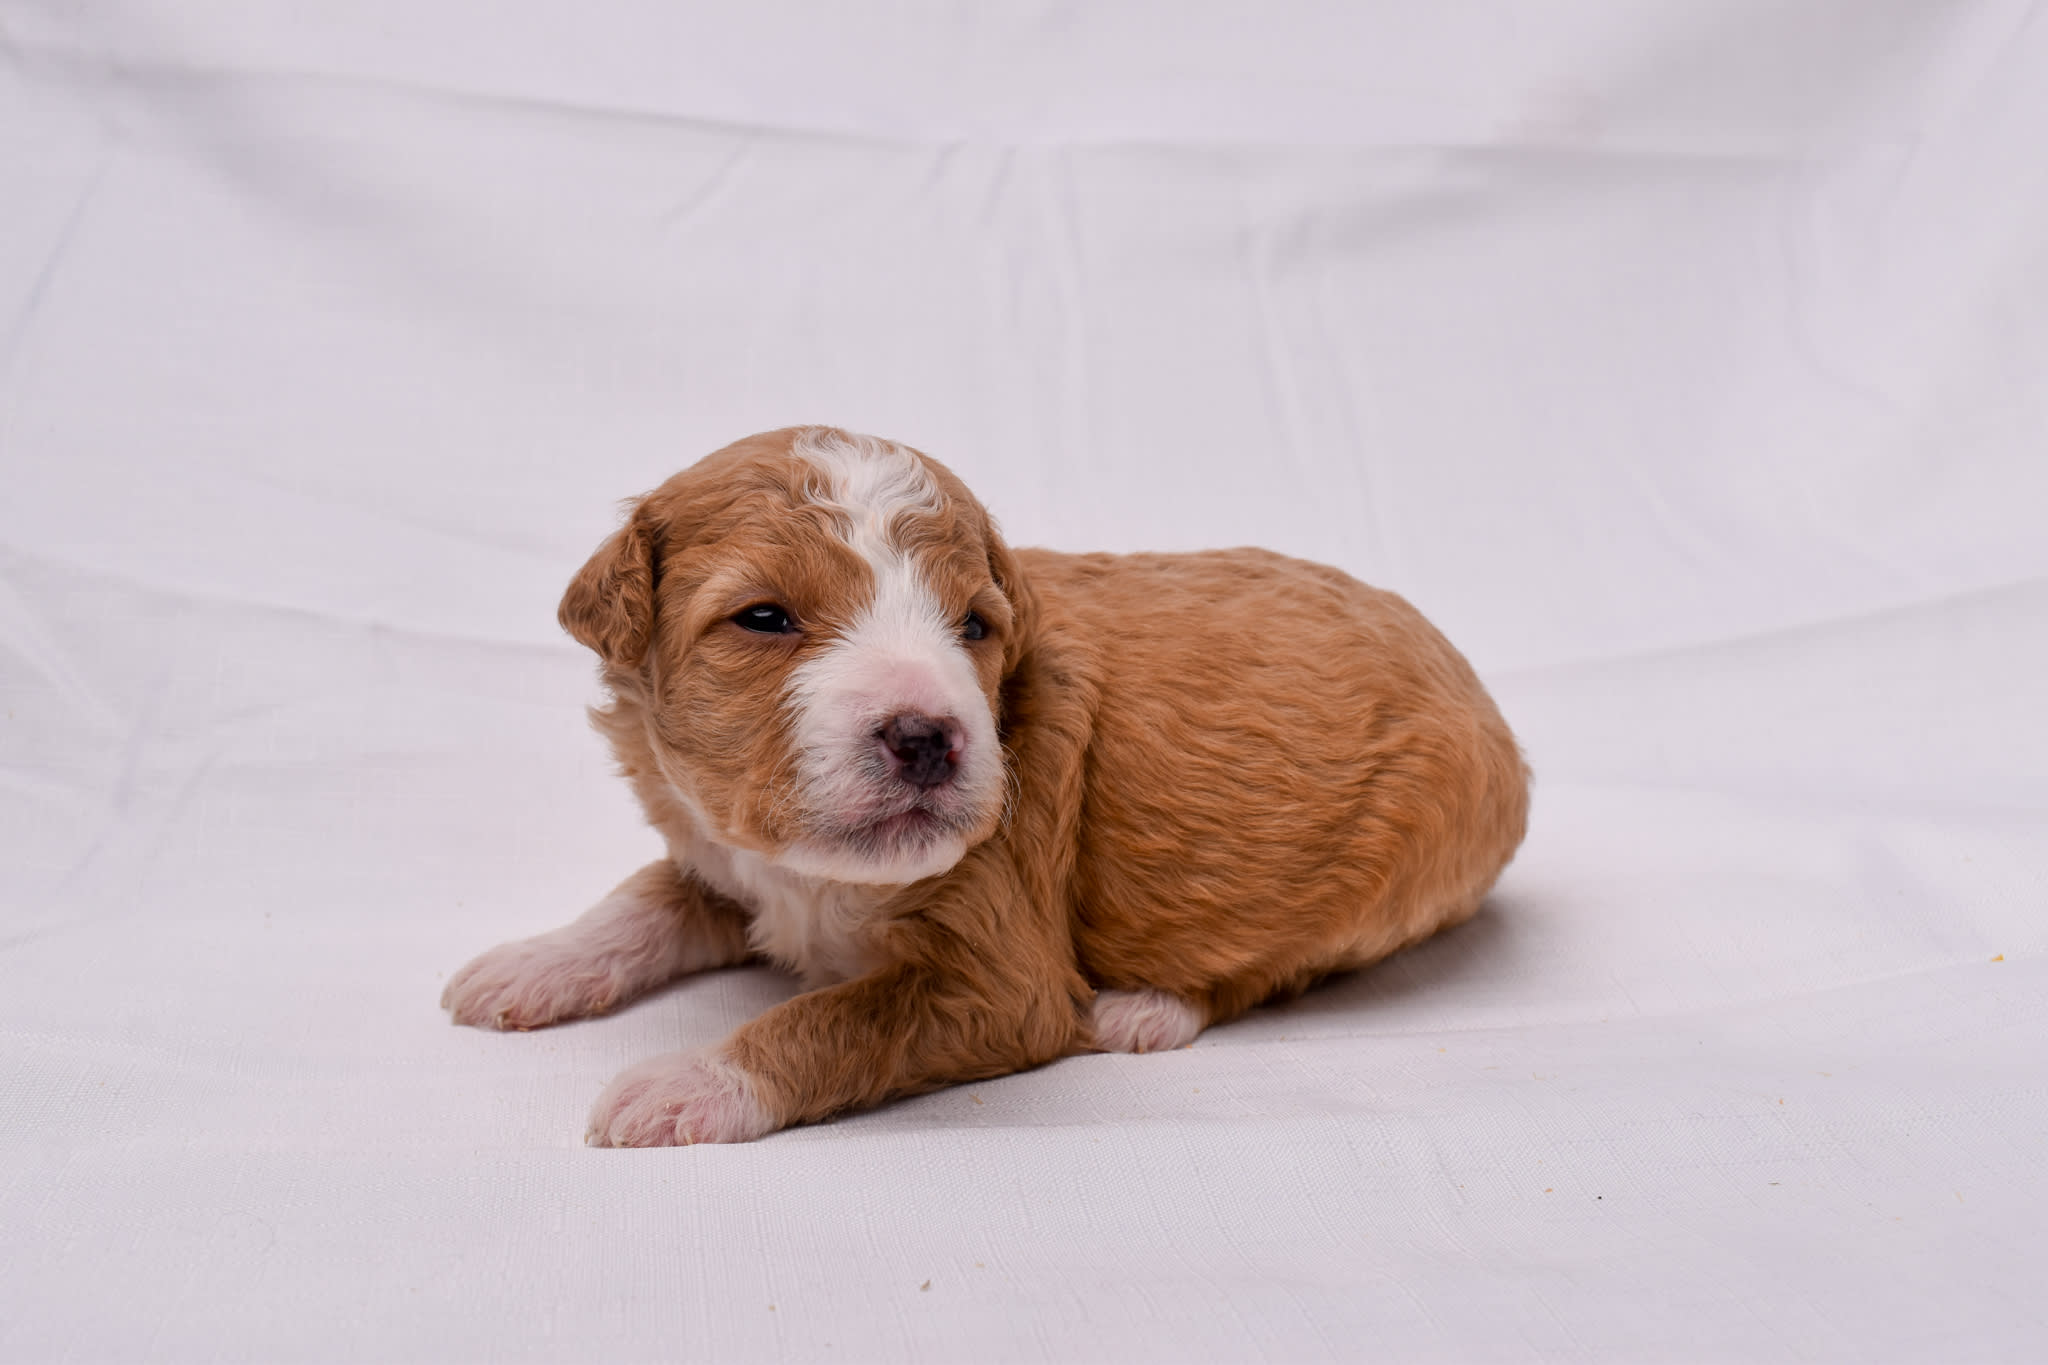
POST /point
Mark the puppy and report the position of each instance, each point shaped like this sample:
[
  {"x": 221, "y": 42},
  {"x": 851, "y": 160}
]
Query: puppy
[{"x": 993, "y": 806}]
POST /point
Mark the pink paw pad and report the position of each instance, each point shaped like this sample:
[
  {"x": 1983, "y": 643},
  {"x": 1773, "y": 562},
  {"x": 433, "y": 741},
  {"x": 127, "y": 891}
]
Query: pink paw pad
[
  {"x": 1144, "y": 1021},
  {"x": 678, "y": 1099}
]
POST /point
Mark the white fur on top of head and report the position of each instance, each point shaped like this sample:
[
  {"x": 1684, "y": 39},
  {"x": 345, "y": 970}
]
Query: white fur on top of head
[
  {"x": 866, "y": 483},
  {"x": 902, "y": 653}
]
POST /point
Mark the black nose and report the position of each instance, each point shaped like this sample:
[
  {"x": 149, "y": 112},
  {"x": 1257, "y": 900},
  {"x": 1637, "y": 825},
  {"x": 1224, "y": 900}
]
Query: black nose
[{"x": 922, "y": 747}]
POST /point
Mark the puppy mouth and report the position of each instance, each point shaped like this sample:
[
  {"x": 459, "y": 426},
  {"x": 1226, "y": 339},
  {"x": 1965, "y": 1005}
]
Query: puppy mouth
[
  {"x": 860, "y": 821},
  {"x": 907, "y": 826},
  {"x": 911, "y": 824}
]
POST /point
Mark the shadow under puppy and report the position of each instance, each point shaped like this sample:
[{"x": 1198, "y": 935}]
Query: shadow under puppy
[{"x": 994, "y": 806}]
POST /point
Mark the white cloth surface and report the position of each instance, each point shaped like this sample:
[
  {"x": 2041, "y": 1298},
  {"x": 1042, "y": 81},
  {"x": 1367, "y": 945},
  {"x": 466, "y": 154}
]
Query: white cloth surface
[{"x": 1687, "y": 363}]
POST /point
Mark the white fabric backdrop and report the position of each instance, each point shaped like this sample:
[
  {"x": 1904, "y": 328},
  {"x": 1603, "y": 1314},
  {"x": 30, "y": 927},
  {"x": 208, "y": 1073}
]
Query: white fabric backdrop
[{"x": 1688, "y": 363}]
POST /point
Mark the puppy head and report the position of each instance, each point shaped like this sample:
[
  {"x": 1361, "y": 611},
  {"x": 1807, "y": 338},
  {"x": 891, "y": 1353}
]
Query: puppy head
[{"x": 816, "y": 627}]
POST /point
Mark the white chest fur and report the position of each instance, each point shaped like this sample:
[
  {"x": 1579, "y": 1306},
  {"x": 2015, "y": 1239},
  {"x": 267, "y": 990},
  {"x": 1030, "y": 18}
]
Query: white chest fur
[{"x": 817, "y": 929}]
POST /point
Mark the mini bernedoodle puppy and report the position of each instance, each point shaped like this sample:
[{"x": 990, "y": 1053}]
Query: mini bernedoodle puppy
[{"x": 994, "y": 806}]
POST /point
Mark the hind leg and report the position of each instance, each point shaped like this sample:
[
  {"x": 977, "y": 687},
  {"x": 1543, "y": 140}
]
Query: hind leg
[{"x": 1145, "y": 1021}]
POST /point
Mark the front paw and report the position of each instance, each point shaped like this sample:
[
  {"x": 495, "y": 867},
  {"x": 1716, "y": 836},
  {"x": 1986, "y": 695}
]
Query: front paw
[
  {"x": 678, "y": 1099},
  {"x": 532, "y": 983}
]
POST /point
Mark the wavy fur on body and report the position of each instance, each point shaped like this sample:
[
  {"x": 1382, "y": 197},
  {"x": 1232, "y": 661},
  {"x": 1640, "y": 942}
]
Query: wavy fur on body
[{"x": 1173, "y": 786}]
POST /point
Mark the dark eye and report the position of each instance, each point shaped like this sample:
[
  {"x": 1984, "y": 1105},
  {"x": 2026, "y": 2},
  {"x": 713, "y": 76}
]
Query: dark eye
[
  {"x": 973, "y": 628},
  {"x": 767, "y": 619}
]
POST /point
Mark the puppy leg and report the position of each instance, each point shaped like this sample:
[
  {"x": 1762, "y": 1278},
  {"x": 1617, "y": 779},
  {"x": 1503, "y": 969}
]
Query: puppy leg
[
  {"x": 900, "y": 1031},
  {"x": 656, "y": 926},
  {"x": 1145, "y": 1021}
]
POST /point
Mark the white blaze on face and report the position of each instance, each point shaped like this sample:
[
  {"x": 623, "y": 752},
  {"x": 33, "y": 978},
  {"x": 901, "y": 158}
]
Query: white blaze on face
[{"x": 901, "y": 655}]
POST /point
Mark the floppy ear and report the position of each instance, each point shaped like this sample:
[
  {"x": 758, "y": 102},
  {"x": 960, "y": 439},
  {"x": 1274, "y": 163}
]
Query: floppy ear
[
  {"x": 1011, "y": 583},
  {"x": 610, "y": 602}
]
